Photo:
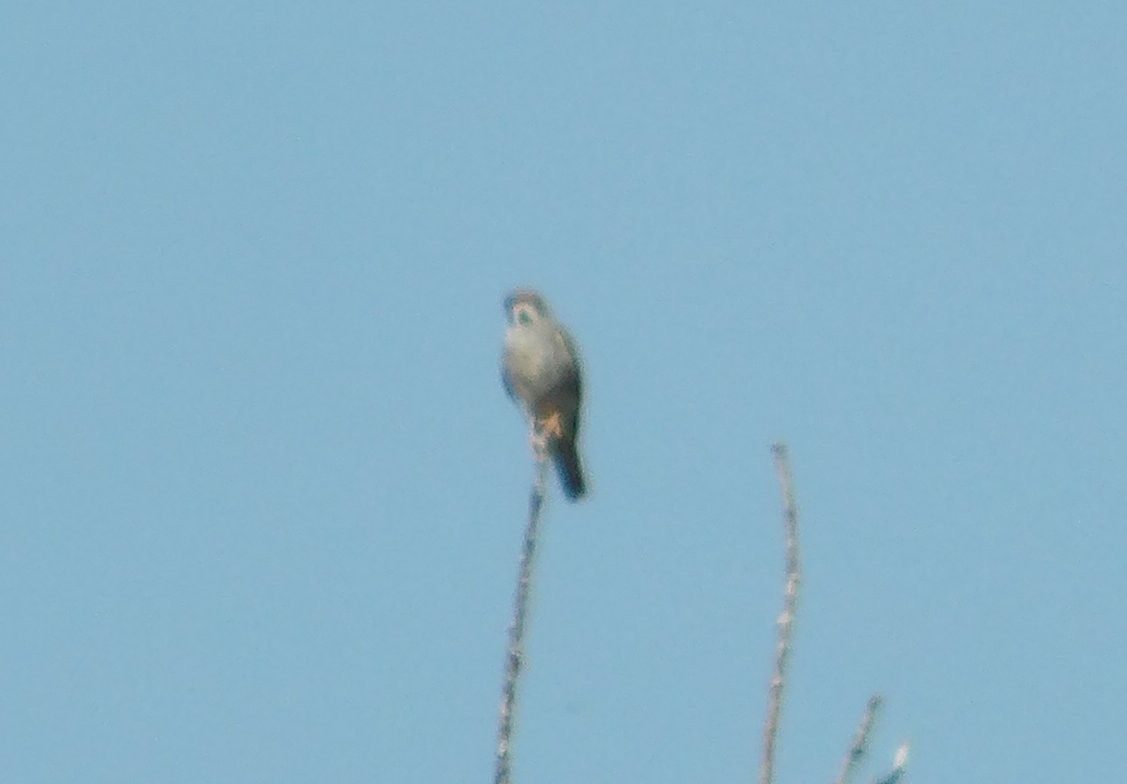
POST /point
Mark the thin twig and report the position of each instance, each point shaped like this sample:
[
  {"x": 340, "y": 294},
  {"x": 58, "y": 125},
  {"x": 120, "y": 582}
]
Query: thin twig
[
  {"x": 515, "y": 656},
  {"x": 860, "y": 740},
  {"x": 786, "y": 618},
  {"x": 899, "y": 766}
]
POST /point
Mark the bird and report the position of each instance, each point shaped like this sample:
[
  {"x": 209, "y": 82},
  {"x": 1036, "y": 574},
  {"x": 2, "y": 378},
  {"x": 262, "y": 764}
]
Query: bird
[{"x": 540, "y": 370}]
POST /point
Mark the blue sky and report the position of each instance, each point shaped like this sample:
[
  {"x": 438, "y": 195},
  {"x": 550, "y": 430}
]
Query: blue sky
[{"x": 262, "y": 491}]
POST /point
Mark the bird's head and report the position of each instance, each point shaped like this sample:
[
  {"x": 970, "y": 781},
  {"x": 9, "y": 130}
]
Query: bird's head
[{"x": 525, "y": 307}]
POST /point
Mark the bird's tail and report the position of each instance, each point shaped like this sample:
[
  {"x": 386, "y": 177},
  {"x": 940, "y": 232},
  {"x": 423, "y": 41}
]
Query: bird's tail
[{"x": 569, "y": 468}]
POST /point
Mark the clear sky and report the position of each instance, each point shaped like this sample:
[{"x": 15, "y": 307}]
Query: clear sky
[{"x": 261, "y": 491}]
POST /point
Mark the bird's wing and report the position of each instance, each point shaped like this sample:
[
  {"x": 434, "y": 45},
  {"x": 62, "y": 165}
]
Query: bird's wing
[{"x": 574, "y": 378}]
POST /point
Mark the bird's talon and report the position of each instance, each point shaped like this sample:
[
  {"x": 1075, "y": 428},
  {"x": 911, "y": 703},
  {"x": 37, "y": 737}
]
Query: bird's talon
[
  {"x": 539, "y": 442},
  {"x": 551, "y": 425}
]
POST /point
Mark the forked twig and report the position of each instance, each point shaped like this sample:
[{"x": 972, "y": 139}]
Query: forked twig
[{"x": 899, "y": 766}]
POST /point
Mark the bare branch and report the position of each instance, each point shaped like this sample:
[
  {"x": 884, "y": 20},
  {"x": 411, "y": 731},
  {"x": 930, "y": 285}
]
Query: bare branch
[
  {"x": 860, "y": 740},
  {"x": 785, "y": 621},
  {"x": 515, "y": 656}
]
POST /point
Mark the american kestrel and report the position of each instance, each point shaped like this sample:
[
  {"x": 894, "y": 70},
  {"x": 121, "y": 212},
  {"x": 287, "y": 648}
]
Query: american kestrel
[{"x": 541, "y": 372}]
